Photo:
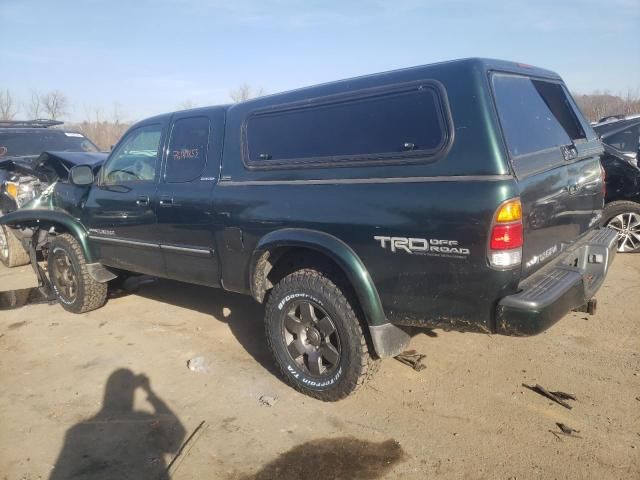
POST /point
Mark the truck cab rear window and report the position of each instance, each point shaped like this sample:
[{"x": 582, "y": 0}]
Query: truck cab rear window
[
  {"x": 387, "y": 125},
  {"x": 535, "y": 115},
  {"x": 187, "y": 154}
]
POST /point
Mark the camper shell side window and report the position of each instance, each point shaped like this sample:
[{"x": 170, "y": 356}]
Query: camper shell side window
[{"x": 388, "y": 124}]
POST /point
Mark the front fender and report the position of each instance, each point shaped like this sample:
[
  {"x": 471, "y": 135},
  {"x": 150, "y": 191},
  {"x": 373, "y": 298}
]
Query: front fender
[
  {"x": 47, "y": 218},
  {"x": 335, "y": 249}
]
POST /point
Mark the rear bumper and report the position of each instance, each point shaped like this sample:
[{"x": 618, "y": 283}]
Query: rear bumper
[{"x": 567, "y": 284}]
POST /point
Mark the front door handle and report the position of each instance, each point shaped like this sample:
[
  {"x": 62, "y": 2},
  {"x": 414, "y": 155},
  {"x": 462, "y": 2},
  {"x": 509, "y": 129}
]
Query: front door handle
[
  {"x": 142, "y": 201},
  {"x": 166, "y": 201}
]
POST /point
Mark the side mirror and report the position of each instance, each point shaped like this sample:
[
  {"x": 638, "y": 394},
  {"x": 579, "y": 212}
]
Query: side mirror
[{"x": 81, "y": 175}]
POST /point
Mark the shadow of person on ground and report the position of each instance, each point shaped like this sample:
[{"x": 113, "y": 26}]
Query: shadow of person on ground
[{"x": 120, "y": 442}]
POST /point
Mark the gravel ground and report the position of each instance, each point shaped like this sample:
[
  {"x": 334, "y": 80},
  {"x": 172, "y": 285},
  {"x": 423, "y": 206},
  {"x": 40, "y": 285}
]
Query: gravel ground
[{"x": 102, "y": 393}]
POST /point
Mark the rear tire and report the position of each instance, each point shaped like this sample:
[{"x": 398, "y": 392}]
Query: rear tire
[
  {"x": 12, "y": 253},
  {"x": 75, "y": 289},
  {"x": 315, "y": 336},
  {"x": 624, "y": 218}
]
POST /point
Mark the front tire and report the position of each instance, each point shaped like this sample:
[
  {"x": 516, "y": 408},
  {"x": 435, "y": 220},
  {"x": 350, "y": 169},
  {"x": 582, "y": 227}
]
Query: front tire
[
  {"x": 315, "y": 336},
  {"x": 624, "y": 218},
  {"x": 12, "y": 252},
  {"x": 75, "y": 289}
]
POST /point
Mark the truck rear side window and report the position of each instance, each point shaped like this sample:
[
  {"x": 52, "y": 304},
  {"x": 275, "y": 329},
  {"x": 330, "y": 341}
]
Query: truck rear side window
[
  {"x": 187, "y": 149},
  {"x": 535, "y": 115},
  {"x": 400, "y": 123}
]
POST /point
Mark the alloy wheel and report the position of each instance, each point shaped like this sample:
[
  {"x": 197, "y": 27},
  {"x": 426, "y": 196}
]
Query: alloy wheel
[
  {"x": 64, "y": 276},
  {"x": 627, "y": 225},
  {"x": 311, "y": 339}
]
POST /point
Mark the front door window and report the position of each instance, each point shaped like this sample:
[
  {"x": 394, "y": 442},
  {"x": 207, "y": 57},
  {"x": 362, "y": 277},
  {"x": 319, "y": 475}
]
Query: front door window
[{"x": 136, "y": 158}]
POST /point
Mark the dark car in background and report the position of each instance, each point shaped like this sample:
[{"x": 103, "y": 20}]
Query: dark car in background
[
  {"x": 25, "y": 171},
  {"x": 620, "y": 137}
]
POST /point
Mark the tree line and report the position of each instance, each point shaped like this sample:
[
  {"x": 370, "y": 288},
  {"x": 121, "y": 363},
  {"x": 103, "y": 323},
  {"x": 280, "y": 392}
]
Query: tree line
[
  {"x": 598, "y": 105},
  {"x": 105, "y": 128}
]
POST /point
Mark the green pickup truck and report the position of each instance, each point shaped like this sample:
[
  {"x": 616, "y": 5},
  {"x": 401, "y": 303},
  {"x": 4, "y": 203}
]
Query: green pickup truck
[{"x": 461, "y": 195}]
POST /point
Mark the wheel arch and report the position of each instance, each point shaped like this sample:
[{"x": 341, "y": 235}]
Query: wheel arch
[
  {"x": 51, "y": 218},
  {"x": 266, "y": 256}
]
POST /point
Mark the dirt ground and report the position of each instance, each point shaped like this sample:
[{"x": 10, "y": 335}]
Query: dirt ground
[{"x": 109, "y": 391}]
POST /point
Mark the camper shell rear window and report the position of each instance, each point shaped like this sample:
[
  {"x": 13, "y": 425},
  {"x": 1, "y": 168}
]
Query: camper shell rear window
[{"x": 535, "y": 114}]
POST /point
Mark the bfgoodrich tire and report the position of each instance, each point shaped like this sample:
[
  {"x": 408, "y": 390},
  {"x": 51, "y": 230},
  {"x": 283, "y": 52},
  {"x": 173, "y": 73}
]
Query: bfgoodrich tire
[
  {"x": 316, "y": 337},
  {"x": 624, "y": 218},
  {"x": 76, "y": 291},
  {"x": 12, "y": 253}
]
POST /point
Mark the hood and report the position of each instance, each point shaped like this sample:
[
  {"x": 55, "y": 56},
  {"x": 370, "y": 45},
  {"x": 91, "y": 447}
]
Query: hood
[
  {"x": 72, "y": 159},
  {"x": 52, "y": 166}
]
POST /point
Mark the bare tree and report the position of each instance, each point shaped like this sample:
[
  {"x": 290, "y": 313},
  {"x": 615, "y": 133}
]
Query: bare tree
[
  {"x": 116, "y": 113},
  {"x": 631, "y": 102},
  {"x": 8, "y": 107},
  {"x": 104, "y": 133},
  {"x": 34, "y": 107},
  {"x": 55, "y": 104},
  {"x": 599, "y": 104},
  {"x": 245, "y": 92}
]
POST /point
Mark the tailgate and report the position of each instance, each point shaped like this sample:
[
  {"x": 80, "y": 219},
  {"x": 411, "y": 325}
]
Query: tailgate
[{"x": 556, "y": 158}]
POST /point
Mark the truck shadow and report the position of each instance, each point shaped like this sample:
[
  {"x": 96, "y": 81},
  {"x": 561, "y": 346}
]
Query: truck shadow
[
  {"x": 243, "y": 315},
  {"x": 14, "y": 299}
]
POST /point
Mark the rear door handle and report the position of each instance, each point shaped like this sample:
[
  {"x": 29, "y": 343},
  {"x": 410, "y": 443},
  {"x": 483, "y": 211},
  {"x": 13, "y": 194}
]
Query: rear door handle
[
  {"x": 166, "y": 201},
  {"x": 142, "y": 201}
]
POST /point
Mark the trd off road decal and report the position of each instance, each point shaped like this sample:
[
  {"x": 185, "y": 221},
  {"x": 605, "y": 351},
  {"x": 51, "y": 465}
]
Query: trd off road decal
[{"x": 424, "y": 246}]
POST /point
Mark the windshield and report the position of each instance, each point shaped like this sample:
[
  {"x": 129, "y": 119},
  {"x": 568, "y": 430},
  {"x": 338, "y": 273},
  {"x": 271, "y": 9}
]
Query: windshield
[{"x": 18, "y": 144}]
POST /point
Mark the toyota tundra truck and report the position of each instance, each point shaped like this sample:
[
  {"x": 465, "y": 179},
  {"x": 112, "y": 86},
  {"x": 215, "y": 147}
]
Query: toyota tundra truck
[{"x": 462, "y": 195}]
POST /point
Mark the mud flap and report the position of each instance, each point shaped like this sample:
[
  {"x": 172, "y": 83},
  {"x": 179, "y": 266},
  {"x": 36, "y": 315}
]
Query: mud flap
[
  {"x": 100, "y": 273},
  {"x": 389, "y": 340}
]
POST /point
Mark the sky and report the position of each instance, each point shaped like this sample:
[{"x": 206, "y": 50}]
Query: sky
[{"x": 153, "y": 56}]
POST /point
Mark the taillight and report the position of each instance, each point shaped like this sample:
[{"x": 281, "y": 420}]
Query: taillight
[
  {"x": 505, "y": 242},
  {"x": 506, "y": 237}
]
